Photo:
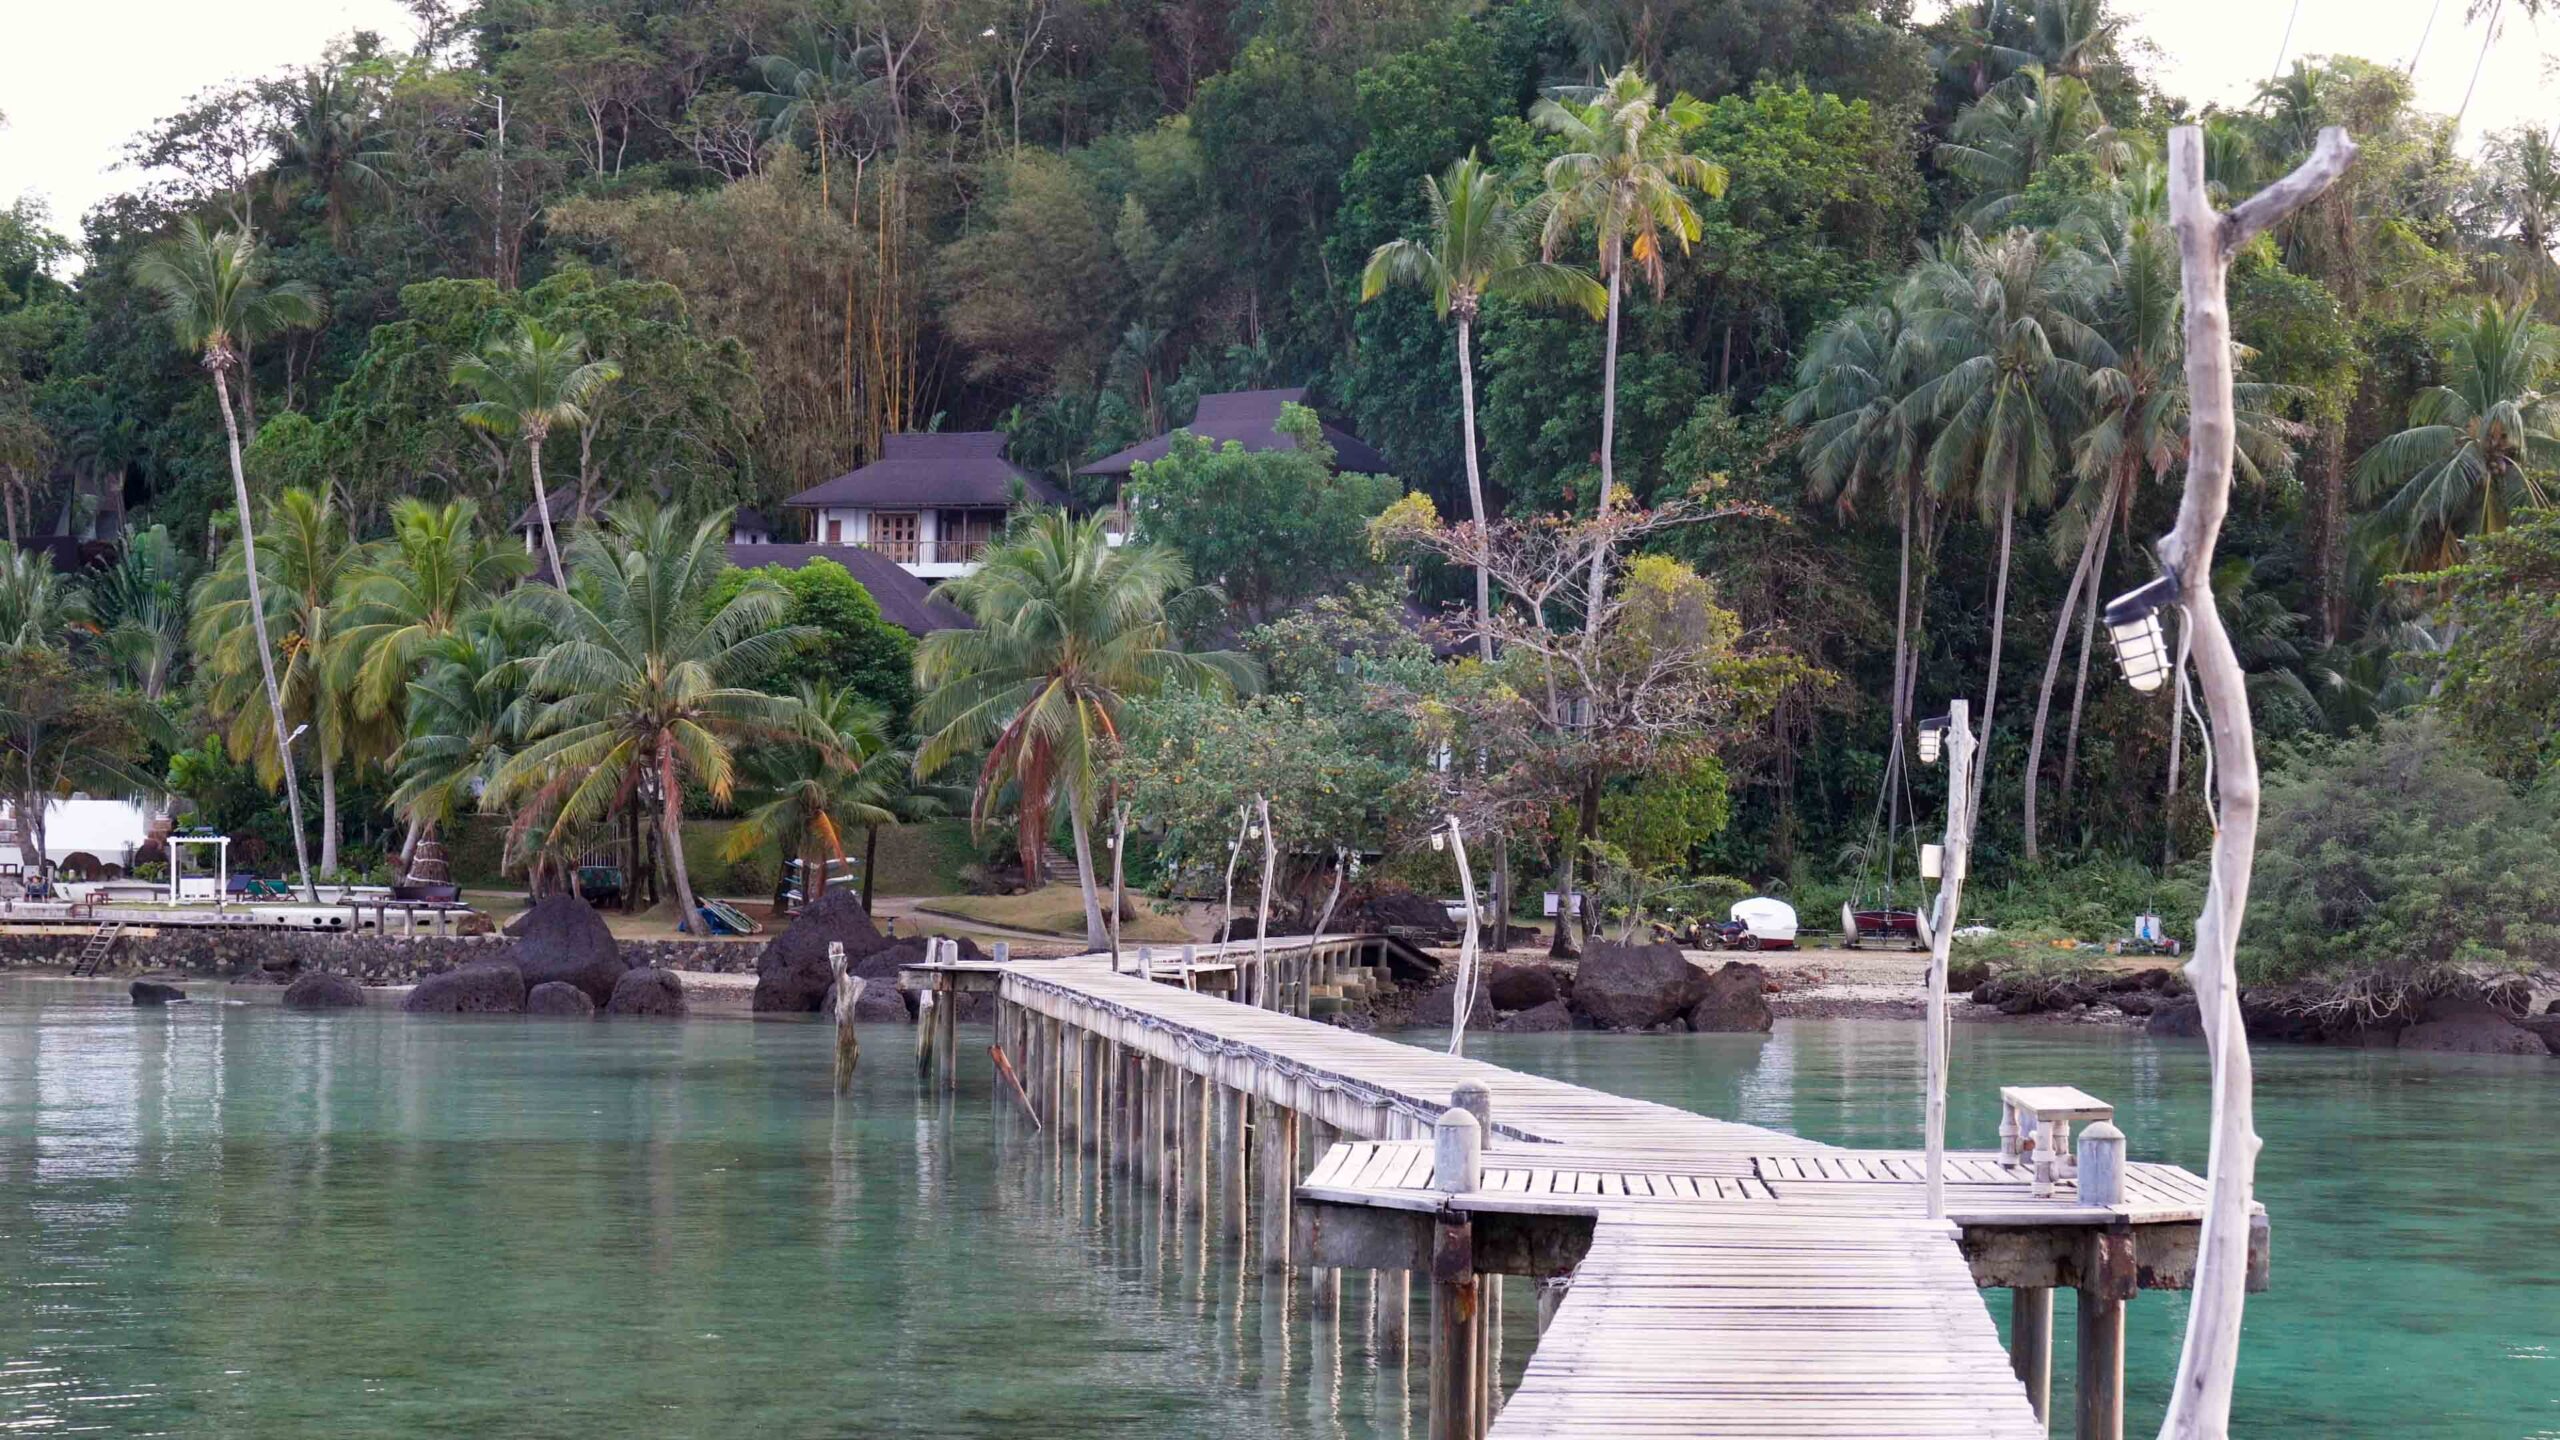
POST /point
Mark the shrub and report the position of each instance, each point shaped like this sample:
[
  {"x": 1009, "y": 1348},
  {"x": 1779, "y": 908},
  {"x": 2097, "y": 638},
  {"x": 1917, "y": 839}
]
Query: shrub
[{"x": 2397, "y": 854}]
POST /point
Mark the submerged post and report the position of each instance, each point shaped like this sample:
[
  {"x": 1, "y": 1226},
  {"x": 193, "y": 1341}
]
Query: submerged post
[
  {"x": 2031, "y": 1344},
  {"x": 848, "y": 992},
  {"x": 1457, "y": 1388}
]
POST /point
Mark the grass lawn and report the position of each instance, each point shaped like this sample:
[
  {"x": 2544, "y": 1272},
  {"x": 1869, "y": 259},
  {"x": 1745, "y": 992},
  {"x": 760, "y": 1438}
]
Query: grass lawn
[{"x": 1056, "y": 909}]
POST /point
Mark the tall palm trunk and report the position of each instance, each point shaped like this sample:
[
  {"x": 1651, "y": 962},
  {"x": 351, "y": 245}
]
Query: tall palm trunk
[
  {"x": 1902, "y": 628},
  {"x": 1096, "y": 935},
  {"x": 328, "y": 810},
  {"x": 533, "y": 438},
  {"x": 870, "y": 854},
  {"x": 1501, "y": 939},
  {"x": 1608, "y": 448},
  {"x": 1991, "y": 686},
  {"x": 2083, "y": 578},
  {"x": 258, "y": 622},
  {"x": 2080, "y": 682},
  {"x": 688, "y": 915}
]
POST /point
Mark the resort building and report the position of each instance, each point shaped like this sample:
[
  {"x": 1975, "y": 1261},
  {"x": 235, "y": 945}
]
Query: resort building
[
  {"x": 1250, "y": 418},
  {"x": 928, "y": 505},
  {"x": 84, "y": 838}
]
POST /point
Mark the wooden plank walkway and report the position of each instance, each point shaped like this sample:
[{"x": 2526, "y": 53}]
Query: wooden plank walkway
[{"x": 1740, "y": 1282}]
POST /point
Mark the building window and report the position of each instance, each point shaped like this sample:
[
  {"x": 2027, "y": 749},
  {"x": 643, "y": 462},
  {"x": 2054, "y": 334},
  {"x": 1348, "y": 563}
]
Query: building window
[
  {"x": 835, "y": 530},
  {"x": 894, "y": 534}
]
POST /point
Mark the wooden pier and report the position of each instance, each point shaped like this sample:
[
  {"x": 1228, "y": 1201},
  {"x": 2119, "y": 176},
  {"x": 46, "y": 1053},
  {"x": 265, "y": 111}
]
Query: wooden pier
[{"x": 1693, "y": 1276}]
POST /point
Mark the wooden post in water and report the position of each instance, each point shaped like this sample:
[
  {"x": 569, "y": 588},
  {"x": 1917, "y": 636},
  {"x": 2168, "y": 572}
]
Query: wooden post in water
[
  {"x": 949, "y": 1040},
  {"x": 1234, "y": 1133},
  {"x": 1324, "y": 1283},
  {"x": 848, "y": 994},
  {"x": 925, "y": 1026},
  {"x": 2108, "y": 1280},
  {"x": 2031, "y": 1344},
  {"x": 1457, "y": 1389},
  {"x": 1477, "y": 1101},
  {"x": 1276, "y": 1158}
]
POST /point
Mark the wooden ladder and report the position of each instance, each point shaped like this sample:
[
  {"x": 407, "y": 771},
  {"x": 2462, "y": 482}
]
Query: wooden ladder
[{"x": 93, "y": 951}]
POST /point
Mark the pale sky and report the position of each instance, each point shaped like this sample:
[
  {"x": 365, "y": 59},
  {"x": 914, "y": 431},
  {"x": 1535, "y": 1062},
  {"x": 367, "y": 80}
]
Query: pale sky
[{"x": 69, "y": 115}]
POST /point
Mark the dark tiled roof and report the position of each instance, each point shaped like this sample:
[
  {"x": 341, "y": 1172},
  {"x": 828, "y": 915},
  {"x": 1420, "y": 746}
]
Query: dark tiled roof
[
  {"x": 751, "y": 520},
  {"x": 561, "y": 507},
  {"x": 1251, "y": 418},
  {"x": 961, "y": 468},
  {"x": 906, "y": 601}
]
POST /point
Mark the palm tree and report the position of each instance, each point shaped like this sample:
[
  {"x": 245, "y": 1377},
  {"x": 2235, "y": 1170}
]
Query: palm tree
[
  {"x": 1069, "y": 629},
  {"x": 2004, "y": 140},
  {"x": 139, "y": 601},
  {"x": 2478, "y": 448},
  {"x": 329, "y": 143},
  {"x": 2010, "y": 355},
  {"x": 810, "y": 86},
  {"x": 304, "y": 549},
  {"x": 37, "y": 610},
  {"x": 2524, "y": 185},
  {"x": 530, "y": 381},
  {"x": 1475, "y": 253},
  {"x": 643, "y": 682},
  {"x": 469, "y": 710},
  {"x": 1856, "y": 382},
  {"x": 215, "y": 294},
  {"x": 408, "y": 594},
  {"x": 818, "y": 786},
  {"x": 1627, "y": 176}
]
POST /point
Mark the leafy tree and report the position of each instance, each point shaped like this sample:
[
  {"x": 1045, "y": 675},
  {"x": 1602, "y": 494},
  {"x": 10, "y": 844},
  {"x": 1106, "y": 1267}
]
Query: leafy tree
[
  {"x": 1070, "y": 628},
  {"x": 469, "y": 710},
  {"x": 2501, "y": 673},
  {"x": 2005, "y": 140},
  {"x": 1034, "y": 293},
  {"x": 528, "y": 383},
  {"x": 139, "y": 603},
  {"x": 1477, "y": 249},
  {"x": 641, "y": 684},
  {"x": 60, "y": 731},
  {"x": 1627, "y": 177},
  {"x": 1270, "y": 527},
  {"x": 218, "y": 302},
  {"x": 827, "y": 780},
  {"x": 2478, "y": 449},
  {"x": 850, "y": 647}
]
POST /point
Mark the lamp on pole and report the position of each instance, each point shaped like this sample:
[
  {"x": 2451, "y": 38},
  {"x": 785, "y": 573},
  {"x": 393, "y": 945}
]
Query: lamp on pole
[{"x": 1951, "y": 734}]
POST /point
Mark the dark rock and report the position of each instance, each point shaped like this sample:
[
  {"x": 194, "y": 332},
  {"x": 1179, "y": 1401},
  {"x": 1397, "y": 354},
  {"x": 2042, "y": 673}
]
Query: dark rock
[
  {"x": 150, "y": 993},
  {"x": 320, "y": 990},
  {"x": 260, "y": 975},
  {"x": 1242, "y": 927},
  {"x": 283, "y": 966},
  {"x": 1964, "y": 975},
  {"x": 561, "y": 999},
  {"x": 1439, "y": 1006},
  {"x": 563, "y": 938},
  {"x": 880, "y": 1003},
  {"x": 1538, "y": 1020},
  {"x": 489, "y": 987},
  {"x": 2553, "y": 1007},
  {"x": 2276, "y": 1017},
  {"x": 2511, "y": 997},
  {"x": 1358, "y": 1020},
  {"x": 650, "y": 992},
  {"x": 2155, "y": 981},
  {"x": 2136, "y": 1002},
  {"x": 2180, "y": 1018},
  {"x": 1636, "y": 987},
  {"x": 2470, "y": 1026},
  {"x": 1736, "y": 1001},
  {"x": 1522, "y": 985},
  {"x": 792, "y": 975},
  {"x": 2546, "y": 1025}
]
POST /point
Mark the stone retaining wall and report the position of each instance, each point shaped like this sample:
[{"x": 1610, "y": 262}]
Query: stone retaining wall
[{"x": 373, "y": 959}]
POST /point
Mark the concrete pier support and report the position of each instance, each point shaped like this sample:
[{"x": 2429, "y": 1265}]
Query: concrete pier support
[{"x": 2031, "y": 1345}]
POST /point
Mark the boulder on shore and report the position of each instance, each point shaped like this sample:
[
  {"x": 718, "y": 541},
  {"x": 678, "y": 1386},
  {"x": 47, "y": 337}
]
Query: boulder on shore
[
  {"x": 1439, "y": 1006},
  {"x": 320, "y": 990},
  {"x": 563, "y": 938},
  {"x": 485, "y": 987},
  {"x": 792, "y": 977},
  {"x": 1404, "y": 910},
  {"x": 880, "y": 1003},
  {"x": 1736, "y": 1001},
  {"x": 1522, "y": 985},
  {"x": 2182, "y": 1019},
  {"x": 1636, "y": 987},
  {"x": 559, "y": 999},
  {"x": 2470, "y": 1026},
  {"x": 1966, "y": 974},
  {"x": 149, "y": 993},
  {"x": 648, "y": 992},
  {"x": 1538, "y": 1019}
]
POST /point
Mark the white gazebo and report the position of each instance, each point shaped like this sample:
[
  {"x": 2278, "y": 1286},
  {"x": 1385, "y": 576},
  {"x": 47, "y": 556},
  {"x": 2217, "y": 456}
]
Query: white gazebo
[{"x": 178, "y": 867}]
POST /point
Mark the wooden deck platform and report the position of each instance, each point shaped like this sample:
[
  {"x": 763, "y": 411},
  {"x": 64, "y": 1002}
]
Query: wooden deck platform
[{"x": 1724, "y": 1280}]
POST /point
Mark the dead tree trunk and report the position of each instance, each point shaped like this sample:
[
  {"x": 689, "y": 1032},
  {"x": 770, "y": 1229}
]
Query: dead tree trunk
[{"x": 2200, "y": 1404}]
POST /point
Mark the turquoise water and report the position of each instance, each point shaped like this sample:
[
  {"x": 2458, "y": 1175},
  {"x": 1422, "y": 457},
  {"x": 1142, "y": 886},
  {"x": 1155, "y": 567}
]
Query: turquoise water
[{"x": 229, "y": 1221}]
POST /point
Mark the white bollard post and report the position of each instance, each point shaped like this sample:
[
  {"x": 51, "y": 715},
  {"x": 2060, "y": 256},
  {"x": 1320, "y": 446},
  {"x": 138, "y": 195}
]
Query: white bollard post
[{"x": 2101, "y": 1164}]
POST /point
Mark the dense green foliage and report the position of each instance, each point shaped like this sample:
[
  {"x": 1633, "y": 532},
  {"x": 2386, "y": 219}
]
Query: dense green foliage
[{"x": 1896, "y": 289}]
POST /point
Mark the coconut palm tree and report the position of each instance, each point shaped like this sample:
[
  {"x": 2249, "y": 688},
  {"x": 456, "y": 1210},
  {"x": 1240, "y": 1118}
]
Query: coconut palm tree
[
  {"x": 2002, "y": 325},
  {"x": 814, "y": 85},
  {"x": 1475, "y": 252},
  {"x": 139, "y": 601},
  {"x": 2004, "y": 140},
  {"x": 330, "y": 143},
  {"x": 469, "y": 710},
  {"x": 643, "y": 682},
  {"x": 305, "y": 553},
  {"x": 2479, "y": 447},
  {"x": 1628, "y": 175},
  {"x": 214, "y": 290},
  {"x": 1069, "y": 629},
  {"x": 814, "y": 788},
  {"x": 38, "y": 611},
  {"x": 530, "y": 381},
  {"x": 409, "y": 593},
  {"x": 1861, "y": 434},
  {"x": 2524, "y": 184}
]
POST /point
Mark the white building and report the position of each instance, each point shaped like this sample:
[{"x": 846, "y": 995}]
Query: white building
[
  {"x": 929, "y": 504},
  {"x": 83, "y": 837}
]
